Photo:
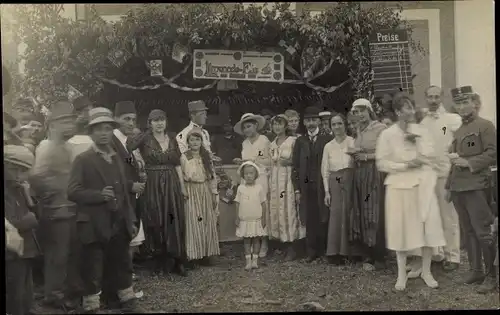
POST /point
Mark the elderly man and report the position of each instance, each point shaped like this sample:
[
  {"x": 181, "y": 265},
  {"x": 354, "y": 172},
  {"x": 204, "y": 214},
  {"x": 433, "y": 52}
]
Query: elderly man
[
  {"x": 107, "y": 222},
  {"x": 473, "y": 152},
  {"x": 49, "y": 180},
  {"x": 198, "y": 115},
  {"x": 442, "y": 126}
]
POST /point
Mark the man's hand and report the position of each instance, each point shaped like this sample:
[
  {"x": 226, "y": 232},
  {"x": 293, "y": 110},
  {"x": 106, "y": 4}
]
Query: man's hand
[
  {"x": 460, "y": 162},
  {"x": 108, "y": 193},
  {"x": 327, "y": 199},
  {"x": 138, "y": 188},
  {"x": 135, "y": 231}
]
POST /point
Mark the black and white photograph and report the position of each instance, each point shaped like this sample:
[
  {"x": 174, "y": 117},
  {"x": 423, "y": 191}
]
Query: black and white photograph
[{"x": 249, "y": 157}]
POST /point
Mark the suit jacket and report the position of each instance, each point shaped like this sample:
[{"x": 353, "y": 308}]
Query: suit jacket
[
  {"x": 94, "y": 217},
  {"x": 305, "y": 156}
]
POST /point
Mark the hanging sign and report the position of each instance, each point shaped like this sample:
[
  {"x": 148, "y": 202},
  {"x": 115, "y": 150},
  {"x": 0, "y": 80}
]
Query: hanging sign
[
  {"x": 238, "y": 65},
  {"x": 390, "y": 57},
  {"x": 156, "y": 67},
  {"x": 73, "y": 93}
]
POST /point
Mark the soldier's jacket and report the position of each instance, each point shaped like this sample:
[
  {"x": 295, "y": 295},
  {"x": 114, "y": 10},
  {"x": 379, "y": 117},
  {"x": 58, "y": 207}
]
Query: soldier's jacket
[{"x": 475, "y": 141}]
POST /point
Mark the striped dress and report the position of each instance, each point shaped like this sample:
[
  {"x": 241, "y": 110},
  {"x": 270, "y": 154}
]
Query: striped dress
[{"x": 202, "y": 239}]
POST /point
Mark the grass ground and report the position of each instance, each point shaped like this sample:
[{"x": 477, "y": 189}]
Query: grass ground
[{"x": 284, "y": 286}]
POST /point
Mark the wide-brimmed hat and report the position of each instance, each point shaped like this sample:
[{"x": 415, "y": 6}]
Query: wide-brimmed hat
[
  {"x": 311, "y": 112},
  {"x": 61, "y": 110},
  {"x": 248, "y": 163},
  {"x": 261, "y": 122},
  {"x": 460, "y": 93},
  {"x": 18, "y": 155},
  {"x": 124, "y": 107},
  {"x": 362, "y": 102},
  {"x": 196, "y": 106},
  {"x": 100, "y": 115}
]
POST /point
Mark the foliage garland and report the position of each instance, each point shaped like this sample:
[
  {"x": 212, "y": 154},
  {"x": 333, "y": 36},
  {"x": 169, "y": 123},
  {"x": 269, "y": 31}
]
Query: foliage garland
[{"x": 61, "y": 51}]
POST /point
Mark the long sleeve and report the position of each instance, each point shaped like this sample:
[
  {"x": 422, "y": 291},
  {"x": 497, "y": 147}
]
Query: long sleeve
[
  {"x": 181, "y": 141},
  {"x": 184, "y": 167},
  {"x": 383, "y": 155},
  {"x": 296, "y": 165},
  {"x": 76, "y": 189},
  {"x": 325, "y": 166},
  {"x": 488, "y": 157}
]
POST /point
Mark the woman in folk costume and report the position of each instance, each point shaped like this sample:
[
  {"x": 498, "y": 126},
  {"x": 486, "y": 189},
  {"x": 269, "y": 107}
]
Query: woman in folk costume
[
  {"x": 283, "y": 223},
  {"x": 256, "y": 148},
  {"x": 337, "y": 171},
  {"x": 202, "y": 241},
  {"x": 164, "y": 197},
  {"x": 367, "y": 220},
  {"x": 406, "y": 152}
]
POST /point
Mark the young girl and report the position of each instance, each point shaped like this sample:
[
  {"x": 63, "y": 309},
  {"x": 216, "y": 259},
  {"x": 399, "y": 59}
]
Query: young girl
[
  {"x": 251, "y": 209},
  {"x": 202, "y": 241}
]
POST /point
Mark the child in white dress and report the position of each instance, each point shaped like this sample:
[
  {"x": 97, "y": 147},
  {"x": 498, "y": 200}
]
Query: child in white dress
[{"x": 251, "y": 208}]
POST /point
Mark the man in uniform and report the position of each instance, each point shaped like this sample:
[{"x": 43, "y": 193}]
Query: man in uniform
[
  {"x": 198, "y": 114},
  {"x": 325, "y": 117},
  {"x": 442, "y": 126},
  {"x": 473, "y": 151}
]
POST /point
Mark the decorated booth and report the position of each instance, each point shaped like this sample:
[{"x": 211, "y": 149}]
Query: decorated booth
[{"x": 246, "y": 59}]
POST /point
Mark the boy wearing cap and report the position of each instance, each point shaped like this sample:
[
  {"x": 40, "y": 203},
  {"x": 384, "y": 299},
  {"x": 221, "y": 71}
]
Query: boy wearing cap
[
  {"x": 19, "y": 282},
  {"x": 325, "y": 117},
  {"x": 49, "y": 179},
  {"x": 198, "y": 115},
  {"x": 473, "y": 151},
  {"x": 308, "y": 183},
  {"x": 106, "y": 219}
]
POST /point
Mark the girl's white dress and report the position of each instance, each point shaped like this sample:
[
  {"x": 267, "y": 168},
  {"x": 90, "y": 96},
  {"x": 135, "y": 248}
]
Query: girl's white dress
[
  {"x": 250, "y": 199},
  {"x": 412, "y": 213}
]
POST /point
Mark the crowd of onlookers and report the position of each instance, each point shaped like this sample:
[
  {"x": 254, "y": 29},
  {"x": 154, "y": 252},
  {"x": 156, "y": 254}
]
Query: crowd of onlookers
[{"x": 92, "y": 189}]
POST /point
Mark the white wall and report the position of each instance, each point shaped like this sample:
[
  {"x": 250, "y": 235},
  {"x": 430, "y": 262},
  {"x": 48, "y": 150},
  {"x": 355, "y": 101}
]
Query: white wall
[{"x": 475, "y": 51}]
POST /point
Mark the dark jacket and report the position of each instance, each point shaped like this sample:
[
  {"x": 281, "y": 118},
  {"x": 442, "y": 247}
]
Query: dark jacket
[
  {"x": 16, "y": 211},
  {"x": 94, "y": 214},
  {"x": 306, "y": 170},
  {"x": 475, "y": 141}
]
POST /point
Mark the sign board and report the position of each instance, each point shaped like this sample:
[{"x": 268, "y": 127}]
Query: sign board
[
  {"x": 390, "y": 58},
  {"x": 238, "y": 65}
]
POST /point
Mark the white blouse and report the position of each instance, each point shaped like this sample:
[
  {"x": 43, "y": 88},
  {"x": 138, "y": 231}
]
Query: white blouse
[
  {"x": 258, "y": 152},
  {"x": 394, "y": 152},
  {"x": 335, "y": 158}
]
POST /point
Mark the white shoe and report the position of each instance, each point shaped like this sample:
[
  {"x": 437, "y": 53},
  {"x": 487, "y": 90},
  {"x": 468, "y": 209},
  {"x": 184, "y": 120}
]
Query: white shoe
[
  {"x": 255, "y": 264},
  {"x": 414, "y": 273},
  {"x": 248, "y": 259},
  {"x": 430, "y": 281},
  {"x": 401, "y": 284},
  {"x": 263, "y": 250}
]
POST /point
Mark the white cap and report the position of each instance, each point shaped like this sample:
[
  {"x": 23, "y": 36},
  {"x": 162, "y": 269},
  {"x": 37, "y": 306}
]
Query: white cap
[
  {"x": 325, "y": 114},
  {"x": 362, "y": 102}
]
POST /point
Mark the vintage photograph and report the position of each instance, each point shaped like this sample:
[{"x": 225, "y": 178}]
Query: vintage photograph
[{"x": 249, "y": 157}]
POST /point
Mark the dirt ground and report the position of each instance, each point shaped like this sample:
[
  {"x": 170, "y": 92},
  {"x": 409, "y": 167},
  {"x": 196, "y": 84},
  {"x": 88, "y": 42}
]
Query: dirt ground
[{"x": 284, "y": 286}]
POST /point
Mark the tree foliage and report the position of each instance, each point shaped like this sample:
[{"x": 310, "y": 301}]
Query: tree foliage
[{"x": 60, "y": 51}]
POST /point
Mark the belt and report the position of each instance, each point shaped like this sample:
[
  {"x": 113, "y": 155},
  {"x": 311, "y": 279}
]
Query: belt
[{"x": 157, "y": 167}]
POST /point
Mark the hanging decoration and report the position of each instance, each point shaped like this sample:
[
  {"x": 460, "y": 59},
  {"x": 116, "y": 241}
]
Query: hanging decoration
[
  {"x": 156, "y": 68},
  {"x": 119, "y": 57},
  {"x": 179, "y": 52},
  {"x": 227, "y": 85},
  {"x": 73, "y": 93}
]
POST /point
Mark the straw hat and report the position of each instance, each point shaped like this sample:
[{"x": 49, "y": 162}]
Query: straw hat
[
  {"x": 261, "y": 122},
  {"x": 100, "y": 115}
]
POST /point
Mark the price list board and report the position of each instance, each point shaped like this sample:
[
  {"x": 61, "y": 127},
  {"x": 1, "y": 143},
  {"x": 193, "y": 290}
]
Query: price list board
[{"x": 390, "y": 59}]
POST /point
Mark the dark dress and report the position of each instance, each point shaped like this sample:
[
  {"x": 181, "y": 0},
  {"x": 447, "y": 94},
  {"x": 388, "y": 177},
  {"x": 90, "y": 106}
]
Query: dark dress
[{"x": 162, "y": 202}]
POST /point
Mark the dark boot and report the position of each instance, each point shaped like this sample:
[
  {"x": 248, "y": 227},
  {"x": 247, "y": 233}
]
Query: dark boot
[
  {"x": 206, "y": 261},
  {"x": 180, "y": 268},
  {"x": 474, "y": 277},
  {"x": 290, "y": 253},
  {"x": 489, "y": 285}
]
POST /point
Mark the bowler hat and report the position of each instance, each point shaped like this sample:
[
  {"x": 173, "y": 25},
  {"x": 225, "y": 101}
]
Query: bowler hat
[
  {"x": 311, "y": 112},
  {"x": 81, "y": 103},
  {"x": 60, "y": 110},
  {"x": 100, "y": 115},
  {"x": 196, "y": 106},
  {"x": 124, "y": 107},
  {"x": 462, "y": 92}
]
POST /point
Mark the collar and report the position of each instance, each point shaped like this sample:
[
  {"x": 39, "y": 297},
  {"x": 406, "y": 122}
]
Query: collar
[
  {"x": 439, "y": 111},
  {"x": 314, "y": 133},
  {"x": 102, "y": 153},
  {"x": 192, "y": 124},
  {"x": 120, "y": 136}
]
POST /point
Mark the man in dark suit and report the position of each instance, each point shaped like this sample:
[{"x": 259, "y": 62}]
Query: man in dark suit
[
  {"x": 106, "y": 219},
  {"x": 308, "y": 184}
]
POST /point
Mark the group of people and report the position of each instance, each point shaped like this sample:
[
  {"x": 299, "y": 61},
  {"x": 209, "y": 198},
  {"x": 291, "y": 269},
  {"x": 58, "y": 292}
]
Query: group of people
[{"x": 351, "y": 187}]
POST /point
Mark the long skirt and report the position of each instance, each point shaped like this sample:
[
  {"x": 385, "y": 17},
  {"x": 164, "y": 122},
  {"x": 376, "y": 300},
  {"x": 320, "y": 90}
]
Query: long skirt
[
  {"x": 405, "y": 229},
  {"x": 367, "y": 220},
  {"x": 340, "y": 209},
  {"x": 163, "y": 212},
  {"x": 202, "y": 239},
  {"x": 284, "y": 223}
]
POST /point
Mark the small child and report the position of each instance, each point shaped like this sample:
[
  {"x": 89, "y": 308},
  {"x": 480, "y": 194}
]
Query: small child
[{"x": 250, "y": 212}]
